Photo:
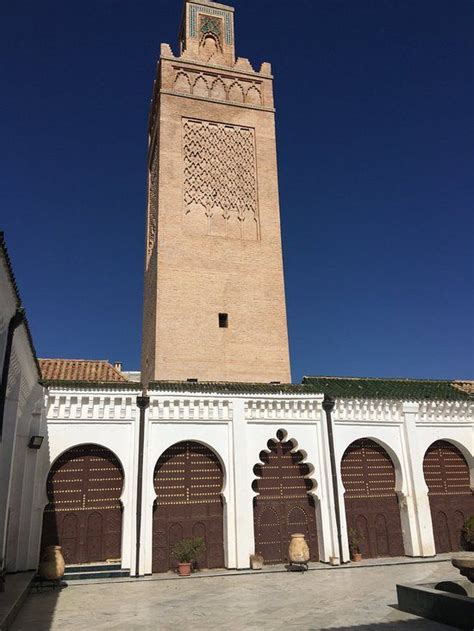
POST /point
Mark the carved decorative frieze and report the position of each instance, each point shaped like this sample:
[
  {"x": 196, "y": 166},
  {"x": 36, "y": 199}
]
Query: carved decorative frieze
[
  {"x": 373, "y": 410},
  {"x": 282, "y": 409},
  {"x": 191, "y": 409},
  {"x": 3, "y": 333},
  {"x": 88, "y": 407},
  {"x": 446, "y": 411},
  {"x": 220, "y": 181},
  {"x": 217, "y": 87},
  {"x": 14, "y": 377},
  {"x": 386, "y": 411}
]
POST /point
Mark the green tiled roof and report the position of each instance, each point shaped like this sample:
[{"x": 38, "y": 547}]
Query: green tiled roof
[
  {"x": 376, "y": 388},
  {"x": 337, "y": 387},
  {"x": 227, "y": 387}
]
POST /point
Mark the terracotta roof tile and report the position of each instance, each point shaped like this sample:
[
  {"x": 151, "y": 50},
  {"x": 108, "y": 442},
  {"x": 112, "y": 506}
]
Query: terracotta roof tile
[
  {"x": 465, "y": 386},
  {"x": 79, "y": 370}
]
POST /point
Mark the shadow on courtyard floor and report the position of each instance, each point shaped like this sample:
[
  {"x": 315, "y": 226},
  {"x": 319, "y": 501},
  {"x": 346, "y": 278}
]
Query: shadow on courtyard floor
[
  {"x": 37, "y": 612},
  {"x": 422, "y": 624}
]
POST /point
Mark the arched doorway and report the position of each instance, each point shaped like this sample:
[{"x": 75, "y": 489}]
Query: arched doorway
[
  {"x": 188, "y": 481},
  {"x": 283, "y": 506},
  {"x": 84, "y": 514},
  {"x": 451, "y": 499},
  {"x": 368, "y": 476}
]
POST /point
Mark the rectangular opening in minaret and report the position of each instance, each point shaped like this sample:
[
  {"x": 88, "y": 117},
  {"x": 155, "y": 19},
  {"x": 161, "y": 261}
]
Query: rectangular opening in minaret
[{"x": 223, "y": 320}]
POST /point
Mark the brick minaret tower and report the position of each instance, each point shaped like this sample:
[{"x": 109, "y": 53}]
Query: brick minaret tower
[{"x": 214, "y": 290}]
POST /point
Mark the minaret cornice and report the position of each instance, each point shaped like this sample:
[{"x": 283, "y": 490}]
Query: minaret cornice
[{"x": 209, "y": 3}]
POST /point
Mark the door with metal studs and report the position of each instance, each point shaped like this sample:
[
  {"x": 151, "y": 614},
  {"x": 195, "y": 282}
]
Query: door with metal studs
[
  {"x": 283, "y": 505},
  {"x": 371, "y": 502},
  {"x": 451, "y": 498},
  {"x": 188, "y": 483},
  {"x": 84, "y": 514}
]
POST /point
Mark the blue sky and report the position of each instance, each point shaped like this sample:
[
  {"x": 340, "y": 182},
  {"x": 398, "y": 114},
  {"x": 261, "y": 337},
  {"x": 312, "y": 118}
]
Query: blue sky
[{"x": 375, "y": 144}]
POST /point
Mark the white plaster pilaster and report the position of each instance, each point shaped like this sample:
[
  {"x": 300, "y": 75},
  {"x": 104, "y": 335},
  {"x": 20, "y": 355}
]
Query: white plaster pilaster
[
  {"x": 148, "y": 497},
  {"x": 129, "y": 497},
  {"x": 243, "y": 494},
  {"x": 414, "y": 504}
]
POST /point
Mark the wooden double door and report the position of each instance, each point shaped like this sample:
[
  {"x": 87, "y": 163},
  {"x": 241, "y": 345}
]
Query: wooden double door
[
  {"x": 188, "y": 482},
  {"x": 371, "y": 503},
  {"x": 451, "y": 498},
  {"x": 283, "y": 506},
  {"x": 84, "y": 514}
]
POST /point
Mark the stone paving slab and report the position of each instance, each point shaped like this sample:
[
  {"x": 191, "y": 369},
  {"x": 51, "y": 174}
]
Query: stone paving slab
[
  {"x": 362, "y": 598},
  {"x": 271, "y": 569}
]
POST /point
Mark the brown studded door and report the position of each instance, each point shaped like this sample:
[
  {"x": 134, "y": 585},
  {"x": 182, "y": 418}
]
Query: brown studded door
[
  {"x": 451, "y": 498},
  {"x": 84, "y": 514},
  {"x": 188, "y": 483},
  {"x": 283, "y": 506},
  {"x": 371, "y": 503}
]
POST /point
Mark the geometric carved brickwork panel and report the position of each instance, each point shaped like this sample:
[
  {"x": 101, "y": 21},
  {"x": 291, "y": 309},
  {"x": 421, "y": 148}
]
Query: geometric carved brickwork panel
[
  {"x": 220, "y": 182},
  {"x": 152, "y": 201},
  {"x": 188, "y": 482},
  {"x": 283, "y": 506},
  {"x": 84, "y": 515},
  {"x": 451, "y": 499},
  {"x": 371, "y": 503}
]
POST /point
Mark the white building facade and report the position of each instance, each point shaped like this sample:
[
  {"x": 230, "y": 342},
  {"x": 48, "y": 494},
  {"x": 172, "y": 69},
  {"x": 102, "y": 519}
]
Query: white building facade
[
  {"x": 128, "y": 469},
  {"x": 21, "y": 419},
  {"x": 233, "y": 428}
]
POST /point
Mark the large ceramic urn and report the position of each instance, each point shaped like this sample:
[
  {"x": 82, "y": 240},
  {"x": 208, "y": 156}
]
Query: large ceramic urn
[
  {"x": 298, "y": 551},
  {"x": 51, "y": 567}
]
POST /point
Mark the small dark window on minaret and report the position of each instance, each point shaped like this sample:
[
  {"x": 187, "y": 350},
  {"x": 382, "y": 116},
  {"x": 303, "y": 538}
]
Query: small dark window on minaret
[{"x": 223, "y": 320}]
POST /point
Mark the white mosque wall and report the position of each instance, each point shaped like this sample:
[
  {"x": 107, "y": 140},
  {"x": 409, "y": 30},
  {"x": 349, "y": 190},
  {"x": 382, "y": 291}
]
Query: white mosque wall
[
  {"x": 22, "y": 419},
  {"x": 237, "y": 428},
  {"x": 405, "y": 430},
  {"x": 107, "y": 418}
]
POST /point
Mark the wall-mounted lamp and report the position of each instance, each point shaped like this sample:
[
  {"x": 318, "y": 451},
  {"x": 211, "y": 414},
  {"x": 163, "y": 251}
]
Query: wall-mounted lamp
[{"x": 35, "y": 442}]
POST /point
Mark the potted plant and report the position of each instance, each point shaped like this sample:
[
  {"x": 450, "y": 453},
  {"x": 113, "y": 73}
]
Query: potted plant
[
  {"x": 186, "y": 551},
  {"x": 467, "y": 535},
  {"x": 355, "y": 539}
]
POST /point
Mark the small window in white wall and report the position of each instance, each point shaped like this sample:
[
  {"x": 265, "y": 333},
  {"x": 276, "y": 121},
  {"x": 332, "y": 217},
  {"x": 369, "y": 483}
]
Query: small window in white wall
[{"x": 223, "y": 320}]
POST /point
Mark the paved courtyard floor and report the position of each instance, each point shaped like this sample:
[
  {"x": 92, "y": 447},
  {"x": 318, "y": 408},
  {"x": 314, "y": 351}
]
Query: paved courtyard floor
[{"x": 359, "y": 598}]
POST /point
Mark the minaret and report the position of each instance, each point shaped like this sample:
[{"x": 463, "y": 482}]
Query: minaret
[{"x": 214, "y": 306}]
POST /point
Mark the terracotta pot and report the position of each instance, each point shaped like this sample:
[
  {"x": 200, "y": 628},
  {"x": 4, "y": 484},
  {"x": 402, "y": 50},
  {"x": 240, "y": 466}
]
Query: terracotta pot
[
  {"x": 184, "y": 569},
  {"x": 357, "y": 556},
  {"x": 298, "y": 551},
  {"x": 51, "y": 566}
]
